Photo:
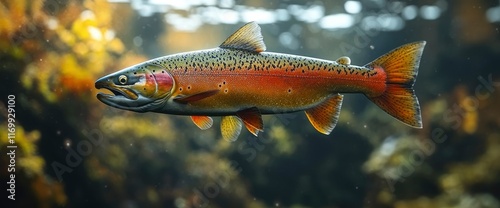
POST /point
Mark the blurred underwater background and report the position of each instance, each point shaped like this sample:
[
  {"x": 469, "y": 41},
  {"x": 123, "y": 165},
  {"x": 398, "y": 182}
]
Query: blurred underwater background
[{"x": 74, "y": 151}]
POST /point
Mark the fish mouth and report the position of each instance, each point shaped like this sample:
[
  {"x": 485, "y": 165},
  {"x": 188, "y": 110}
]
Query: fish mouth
[
  {"x": 118, "y": 95},
  {"x": 122, "y": 97}
]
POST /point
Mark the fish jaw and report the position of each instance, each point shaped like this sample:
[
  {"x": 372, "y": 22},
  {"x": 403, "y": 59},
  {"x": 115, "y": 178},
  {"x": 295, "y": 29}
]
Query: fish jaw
[
  {"x": 139, "y": 88},
  {"x": 119, "y": 92},
  {"x": 121, "y": 97}
]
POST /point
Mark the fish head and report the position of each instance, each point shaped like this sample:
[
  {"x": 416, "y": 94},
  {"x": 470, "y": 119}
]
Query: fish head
[{"x": 141, "y": 88}]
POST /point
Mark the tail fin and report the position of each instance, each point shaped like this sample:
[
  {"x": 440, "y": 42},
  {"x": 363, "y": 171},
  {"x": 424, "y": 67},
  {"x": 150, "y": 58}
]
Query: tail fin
[{"x": 401, "y": 67}]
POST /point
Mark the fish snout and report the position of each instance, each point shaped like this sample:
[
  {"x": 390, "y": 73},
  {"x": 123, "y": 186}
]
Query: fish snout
[
  {"x": 101, "y": 82},
  {"x": 117, "y": 91}
]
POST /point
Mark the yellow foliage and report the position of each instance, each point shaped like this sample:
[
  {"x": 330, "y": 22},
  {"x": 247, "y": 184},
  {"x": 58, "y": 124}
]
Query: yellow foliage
[
  {"x": 285, "y": 144},
  {"x": 484, "y": 170},
  {"x": 59, "y": 73},
  {"x": 125, "y": 127},
  {"x": 110, "y": 168},
  {"x": 11, "y": 16},
  {"x": 73, "y": 77},
  {"x": 207, "y": 166},
  {"x": 31, "y": 165},
  {"x": 468, "y": 103},
  {"x": 26, "y": 154},
  {"x": 47, "y": 191}
]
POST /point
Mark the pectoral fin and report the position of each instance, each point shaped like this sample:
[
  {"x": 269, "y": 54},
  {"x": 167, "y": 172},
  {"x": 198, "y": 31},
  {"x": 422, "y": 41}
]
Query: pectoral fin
[
  {"x": 324, "y": 117},
  {"x": 203, "y": 122},
  {"x": 252, "y": 119},
  {"x": 195, "y": 97},
  {"x": 230, "y": 127}
]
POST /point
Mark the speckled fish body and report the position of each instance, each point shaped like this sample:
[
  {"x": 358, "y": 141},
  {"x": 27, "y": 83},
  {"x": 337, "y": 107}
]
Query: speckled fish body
[
  {"x": 239, "y": 81},
  {"x": 271, "y": 82}
]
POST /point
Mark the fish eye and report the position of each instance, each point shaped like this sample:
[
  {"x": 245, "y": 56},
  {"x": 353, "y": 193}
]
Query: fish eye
[{"x": 122, "y": 79}]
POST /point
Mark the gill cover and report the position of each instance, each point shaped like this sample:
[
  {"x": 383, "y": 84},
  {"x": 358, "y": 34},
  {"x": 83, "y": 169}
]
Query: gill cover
[
  {"x": 143, "y": 87},
  {"x": 158, "y": 82}
]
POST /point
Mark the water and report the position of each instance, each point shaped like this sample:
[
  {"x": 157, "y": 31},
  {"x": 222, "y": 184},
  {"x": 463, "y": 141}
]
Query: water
[{"x": 73, "y": 151}]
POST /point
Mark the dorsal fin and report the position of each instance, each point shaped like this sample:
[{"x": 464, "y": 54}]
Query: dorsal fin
[
  {"x": 246, "y": 38},
  {"x": 324, "y": 117}
]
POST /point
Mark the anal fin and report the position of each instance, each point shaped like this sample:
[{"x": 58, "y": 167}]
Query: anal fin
[
  {"x": 252, "y": 119},
  {"x": 324, "y": 117},
  {"x": 230, "y": 127},
  {"x": 203, "y": 122}
]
